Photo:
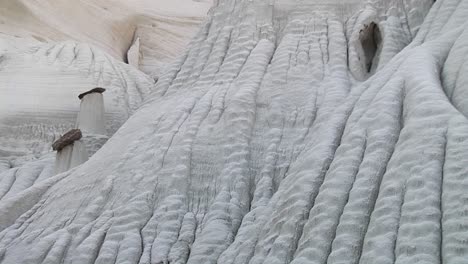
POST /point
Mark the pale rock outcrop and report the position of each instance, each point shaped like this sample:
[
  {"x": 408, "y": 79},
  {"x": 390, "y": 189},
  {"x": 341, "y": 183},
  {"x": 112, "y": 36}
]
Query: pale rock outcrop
[
  {"x": 163, "y": 27},
  {"x": 91, "y": 117},
  {"x": 48, "y": 78},
  {"x": 70, "y": 151},
  {"x": 70, "y": 157},
  {"x": 134, "y": 54},
  {"x": 271, "y": 140},
  {"x": 44, "y": 61}
]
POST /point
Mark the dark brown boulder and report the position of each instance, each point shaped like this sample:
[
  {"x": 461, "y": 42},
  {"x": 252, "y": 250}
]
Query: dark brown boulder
[
  {"x": 95, "y": 90},
  {"x": 67, "y": 139}
]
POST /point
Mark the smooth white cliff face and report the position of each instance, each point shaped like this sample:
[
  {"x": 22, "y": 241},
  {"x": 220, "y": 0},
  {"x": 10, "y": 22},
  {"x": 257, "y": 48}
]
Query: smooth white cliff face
[
  {"x": 273, "y": 140},
  {"x": 91, "y": 116}
]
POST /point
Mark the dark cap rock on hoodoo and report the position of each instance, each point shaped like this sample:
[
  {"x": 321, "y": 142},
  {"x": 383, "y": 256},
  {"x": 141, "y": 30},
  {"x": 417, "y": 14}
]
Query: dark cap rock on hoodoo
[
  {"x": 67, "y": 139},
  {"x": 95, "y": 90}
]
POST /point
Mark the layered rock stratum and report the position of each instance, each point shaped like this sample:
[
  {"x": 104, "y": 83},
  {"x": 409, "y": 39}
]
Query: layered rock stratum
[{"x": 288, "y": 132}]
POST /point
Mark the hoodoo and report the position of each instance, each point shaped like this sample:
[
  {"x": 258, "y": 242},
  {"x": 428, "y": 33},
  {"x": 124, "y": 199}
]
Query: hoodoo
[
  {"x": 71, "y": 152},
  {"x": 91, "y": 116},
  {"x": 73, "y": 148}
]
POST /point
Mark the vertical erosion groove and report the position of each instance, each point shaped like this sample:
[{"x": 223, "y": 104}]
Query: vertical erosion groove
[{"x": 371, "y": 41}]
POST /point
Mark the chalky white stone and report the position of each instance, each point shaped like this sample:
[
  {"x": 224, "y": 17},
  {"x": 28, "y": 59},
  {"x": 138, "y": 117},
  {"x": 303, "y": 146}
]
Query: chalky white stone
[
  {"x": 39, "y": 88},
  {"x": 163, "y": 27},
  {"x": 278, "y": 137},
  {"x": 91, "y": 116}
]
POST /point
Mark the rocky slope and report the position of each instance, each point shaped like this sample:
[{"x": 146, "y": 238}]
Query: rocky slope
[
  {"x": 51, "y": 51},
  {"x": 162, "y": 27},
  {"x": 289, "y": 132},
  {"x": 39, "y": 91}
]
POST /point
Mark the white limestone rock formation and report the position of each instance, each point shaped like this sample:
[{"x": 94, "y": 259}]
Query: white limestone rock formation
[
  {"x": 71, "y": 152},
  {"x": 163, "y": 27},
  {"x": 91, "y": 120},
  {"x": 39, "y": 85},
  {"x": 70, "y": 157},
  {"x": 44, "y": 61},
  {"x": 278, "y": 137},
  {"x": 134, "y": 53},
  {"x": 91, "y": 117}
]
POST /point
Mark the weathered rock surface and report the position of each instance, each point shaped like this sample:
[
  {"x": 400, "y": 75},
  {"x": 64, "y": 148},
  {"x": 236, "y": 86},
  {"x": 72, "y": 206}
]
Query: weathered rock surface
[
  {"x": 39, "y": 88},
  {"x": 274, "y": 139},
  {"x": 163, "y": 27},
  {"x": 94, "y": 90},
  {"x": 67, "y": 139},
  {"x": 52, "y": 50}
]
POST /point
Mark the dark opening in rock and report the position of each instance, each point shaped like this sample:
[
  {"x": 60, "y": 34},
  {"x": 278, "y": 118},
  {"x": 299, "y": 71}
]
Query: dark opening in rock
[
  {"x": 67, "y": 139},
  {"x": 370, "y": 38},
  {"x": 95, "y": 90}
]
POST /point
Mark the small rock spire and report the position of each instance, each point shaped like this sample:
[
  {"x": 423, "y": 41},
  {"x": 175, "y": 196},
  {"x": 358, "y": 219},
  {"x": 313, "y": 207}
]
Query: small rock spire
[{"x": 91, "y": 116}]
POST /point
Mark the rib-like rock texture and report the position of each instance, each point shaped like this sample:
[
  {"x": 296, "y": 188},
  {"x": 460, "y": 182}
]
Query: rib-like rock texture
[{"x": 277, "y": 138}]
